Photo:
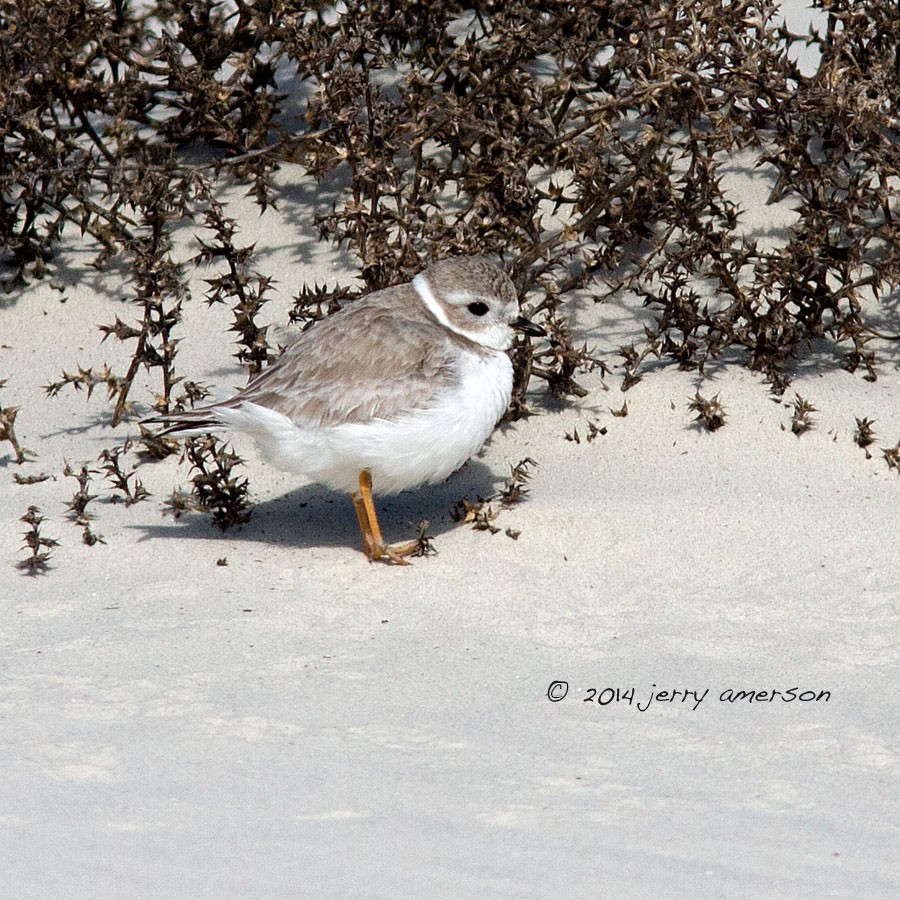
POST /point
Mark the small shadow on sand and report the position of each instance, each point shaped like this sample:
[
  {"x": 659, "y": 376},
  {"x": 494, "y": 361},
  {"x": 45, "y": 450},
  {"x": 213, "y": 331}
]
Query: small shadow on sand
[{"x": 315, "y": 516}]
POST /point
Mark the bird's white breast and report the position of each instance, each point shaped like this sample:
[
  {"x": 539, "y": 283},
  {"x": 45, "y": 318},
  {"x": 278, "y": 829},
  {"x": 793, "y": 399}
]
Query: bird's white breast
[{"x": 427, "y": 445}]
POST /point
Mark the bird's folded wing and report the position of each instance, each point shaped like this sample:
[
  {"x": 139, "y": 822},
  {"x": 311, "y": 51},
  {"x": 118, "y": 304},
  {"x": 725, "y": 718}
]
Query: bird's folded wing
[{"x": 354, "y": 369}]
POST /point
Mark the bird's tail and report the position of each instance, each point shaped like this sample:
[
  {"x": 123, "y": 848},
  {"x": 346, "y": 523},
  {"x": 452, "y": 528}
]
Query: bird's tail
[{"x": 188, "y": 423}]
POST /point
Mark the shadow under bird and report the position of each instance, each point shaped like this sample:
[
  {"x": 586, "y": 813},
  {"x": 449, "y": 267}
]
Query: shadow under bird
[{"x": 396, "y": 390}]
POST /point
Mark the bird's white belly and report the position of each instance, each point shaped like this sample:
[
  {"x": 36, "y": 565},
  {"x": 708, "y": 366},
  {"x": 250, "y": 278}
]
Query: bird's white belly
[{"x": 424, "y": 445}]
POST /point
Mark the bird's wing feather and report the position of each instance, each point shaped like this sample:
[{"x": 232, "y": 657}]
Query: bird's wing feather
[{"x": 354, "y": 367}]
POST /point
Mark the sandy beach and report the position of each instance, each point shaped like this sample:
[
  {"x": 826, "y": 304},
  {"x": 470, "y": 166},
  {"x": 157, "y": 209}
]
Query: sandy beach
[{"x": 670, "y": 673}]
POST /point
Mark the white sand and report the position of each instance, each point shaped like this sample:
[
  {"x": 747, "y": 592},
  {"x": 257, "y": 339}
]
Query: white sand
[{"x": 301, "y": 724}]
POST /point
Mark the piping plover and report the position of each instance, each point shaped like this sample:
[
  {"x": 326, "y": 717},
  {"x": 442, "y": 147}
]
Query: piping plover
[{"x": 395, "y": 390}]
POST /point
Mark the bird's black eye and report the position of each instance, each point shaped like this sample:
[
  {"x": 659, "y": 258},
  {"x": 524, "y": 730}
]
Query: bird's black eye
[{"x": 478, "y": 308}]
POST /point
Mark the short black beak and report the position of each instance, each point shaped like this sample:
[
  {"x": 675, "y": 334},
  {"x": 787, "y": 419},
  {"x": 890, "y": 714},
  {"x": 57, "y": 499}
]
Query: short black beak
[{"x": 528, "y": 327}]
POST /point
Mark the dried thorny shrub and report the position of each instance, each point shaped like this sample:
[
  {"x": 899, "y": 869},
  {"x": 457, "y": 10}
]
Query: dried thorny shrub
[
  {"x": 802, "y": 419},
  {"x": 833, "y": 142},
  {"x": 179, "y": 503},
  {"x": 126, "y": 483},
  {"x": 39, "y": 546},
  {"x": 19, "y": 478},
  {"x": 159, "y": 290},
  {"x": 77, "y": 506},
  {"x": 593, "y": 432},
  {"x": 82, "y": 497},
  {"x": 463, "y": 130},
  {"x": 424, "y": 542},
  {"x": 892, "y": 457},
  {"x": 8, "y": 431},
  {"x": 864, "y": 434},
  {"x": 87, "y": 380},
  {"x": 97, "y": 96},
  {"x": 710, "y": 412},
  {"x": 514, "y": 490},
  {"x": 481, "y": 514},
  {"x": 584, "y": 143},
  {"x": 246, "y": 288},
  {"x": 216, "y": 488}
]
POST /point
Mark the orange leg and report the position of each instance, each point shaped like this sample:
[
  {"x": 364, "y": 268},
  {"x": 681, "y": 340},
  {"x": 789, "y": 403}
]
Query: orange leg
[
  {"x": 364, "y": 528},
  {"x": 373, "y": 543}
]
